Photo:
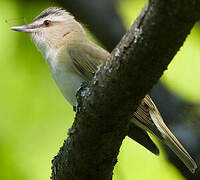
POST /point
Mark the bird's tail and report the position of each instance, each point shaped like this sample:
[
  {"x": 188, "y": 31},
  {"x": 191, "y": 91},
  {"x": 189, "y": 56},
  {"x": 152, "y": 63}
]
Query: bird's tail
[
  {"x": 148, "y": 118},
  {"x": 170, "y": 140}
]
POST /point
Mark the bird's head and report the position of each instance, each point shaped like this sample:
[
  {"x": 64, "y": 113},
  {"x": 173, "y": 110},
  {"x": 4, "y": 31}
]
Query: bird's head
[{"x": 51, "y": 29}]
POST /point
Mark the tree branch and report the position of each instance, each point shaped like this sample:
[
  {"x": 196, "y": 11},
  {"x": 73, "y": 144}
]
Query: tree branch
[
  {"x": 105, "y": 106},
  {"x": 92, "y": 15}
]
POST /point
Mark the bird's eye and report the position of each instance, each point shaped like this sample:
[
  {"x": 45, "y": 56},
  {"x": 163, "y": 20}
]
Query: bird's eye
[{"x": 47, "y": 23}]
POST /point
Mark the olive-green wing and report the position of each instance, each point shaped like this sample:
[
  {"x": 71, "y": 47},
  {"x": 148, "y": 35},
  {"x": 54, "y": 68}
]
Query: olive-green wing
[{"x": 86, "y": 58}]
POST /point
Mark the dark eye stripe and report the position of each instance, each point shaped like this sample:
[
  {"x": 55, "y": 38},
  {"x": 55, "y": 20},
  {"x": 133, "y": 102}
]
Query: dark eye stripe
[{"x": 42, "y": 25}]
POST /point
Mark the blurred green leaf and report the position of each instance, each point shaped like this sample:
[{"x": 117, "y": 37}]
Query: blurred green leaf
[{"x": 34, "y": 116}]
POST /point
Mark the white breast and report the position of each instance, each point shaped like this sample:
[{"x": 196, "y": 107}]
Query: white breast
[{"x": 65, "y": 77}]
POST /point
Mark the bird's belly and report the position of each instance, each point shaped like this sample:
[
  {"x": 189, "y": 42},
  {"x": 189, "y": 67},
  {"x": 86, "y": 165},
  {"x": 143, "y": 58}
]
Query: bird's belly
[{"x": 68, "y": 82}]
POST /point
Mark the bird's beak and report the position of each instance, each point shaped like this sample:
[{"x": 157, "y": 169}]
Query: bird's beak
[{"x": 29, "y": 28}]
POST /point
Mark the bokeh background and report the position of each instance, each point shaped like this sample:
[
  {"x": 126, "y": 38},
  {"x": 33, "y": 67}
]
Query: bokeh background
[{"x": 34, "y": 116}]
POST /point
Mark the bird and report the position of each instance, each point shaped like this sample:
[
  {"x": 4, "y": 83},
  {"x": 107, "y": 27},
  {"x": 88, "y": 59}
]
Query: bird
[{"x": 73, "y": 59}]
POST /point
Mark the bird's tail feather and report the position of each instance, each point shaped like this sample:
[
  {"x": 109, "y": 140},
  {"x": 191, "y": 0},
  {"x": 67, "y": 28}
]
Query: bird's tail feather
[
  {"x": 148, "y": 118},
  {"x": 170, "y": 140}
]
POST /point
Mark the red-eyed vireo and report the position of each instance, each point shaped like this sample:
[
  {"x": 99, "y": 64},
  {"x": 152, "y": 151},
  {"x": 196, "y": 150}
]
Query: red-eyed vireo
[{"x": 73, "y": 59}]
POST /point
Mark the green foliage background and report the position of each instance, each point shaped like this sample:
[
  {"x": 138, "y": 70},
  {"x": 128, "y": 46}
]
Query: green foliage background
[{"x": 34, "y": 116}]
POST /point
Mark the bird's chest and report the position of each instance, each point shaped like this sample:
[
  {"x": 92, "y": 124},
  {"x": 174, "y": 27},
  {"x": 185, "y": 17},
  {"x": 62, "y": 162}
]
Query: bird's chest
[{"x": 66, "y": 78}]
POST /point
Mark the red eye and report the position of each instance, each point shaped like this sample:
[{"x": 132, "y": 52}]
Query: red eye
[{"x": 47, "y": 23}]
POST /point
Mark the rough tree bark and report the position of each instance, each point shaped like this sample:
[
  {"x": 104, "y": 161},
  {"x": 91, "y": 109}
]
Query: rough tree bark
[
  {"x": 135, "y": 65},
  {"x": 109, "y": 31}
]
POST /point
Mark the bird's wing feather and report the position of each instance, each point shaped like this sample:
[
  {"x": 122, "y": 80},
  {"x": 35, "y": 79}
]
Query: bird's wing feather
[{"x": 86, "y": 58}]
